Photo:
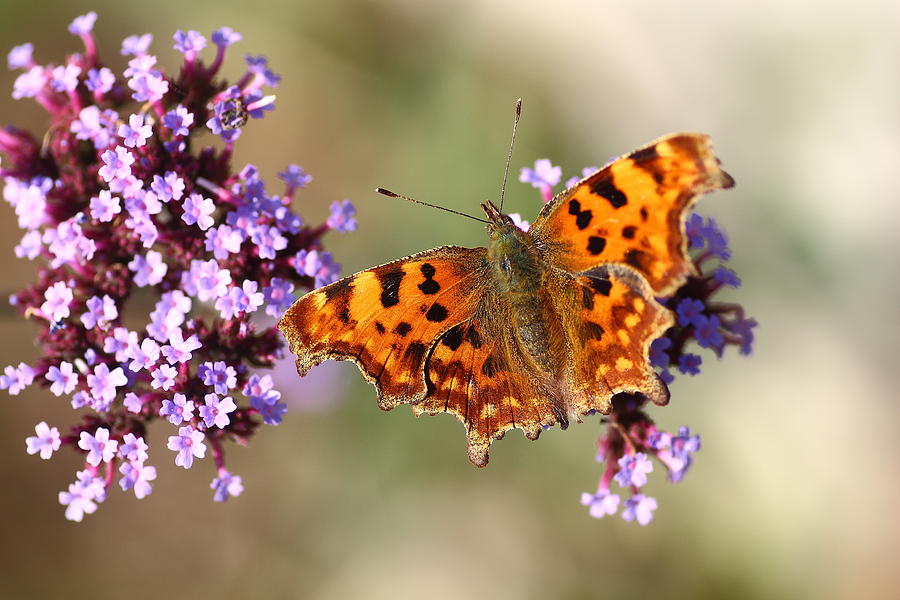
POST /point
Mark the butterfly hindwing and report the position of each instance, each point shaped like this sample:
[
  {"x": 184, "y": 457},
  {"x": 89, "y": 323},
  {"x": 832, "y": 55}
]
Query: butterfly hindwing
[
  {"x": 475, "y": 372},
  {"x": 609, "y": 318},
  {"x": 386, "y": 319},
  {"x": 632, "y": 211}
]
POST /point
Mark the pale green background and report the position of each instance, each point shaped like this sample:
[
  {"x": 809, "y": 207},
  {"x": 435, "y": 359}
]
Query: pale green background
[{"x": 795, "y": 492}]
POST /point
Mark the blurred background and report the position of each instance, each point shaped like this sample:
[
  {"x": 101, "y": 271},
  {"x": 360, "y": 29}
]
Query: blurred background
[{"x": 794, "y": 494}]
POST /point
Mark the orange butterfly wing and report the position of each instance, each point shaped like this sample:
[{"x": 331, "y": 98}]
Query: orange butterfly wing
[
  {"x": 632, "y": 211},
  {"x": 387, "y": 318},
  {"x": 476, "y": 373}
]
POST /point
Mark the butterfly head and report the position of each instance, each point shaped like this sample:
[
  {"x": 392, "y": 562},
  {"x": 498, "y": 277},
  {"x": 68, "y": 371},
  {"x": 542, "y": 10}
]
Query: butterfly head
[{"x": 498, "y": 223}]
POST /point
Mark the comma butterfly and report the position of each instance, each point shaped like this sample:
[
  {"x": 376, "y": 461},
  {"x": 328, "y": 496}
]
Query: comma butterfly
[{"x": 540, "y": 327}]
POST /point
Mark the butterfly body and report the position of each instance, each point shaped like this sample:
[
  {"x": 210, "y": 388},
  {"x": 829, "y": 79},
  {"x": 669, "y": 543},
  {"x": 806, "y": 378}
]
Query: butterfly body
[{"x": 540, "y": 327}]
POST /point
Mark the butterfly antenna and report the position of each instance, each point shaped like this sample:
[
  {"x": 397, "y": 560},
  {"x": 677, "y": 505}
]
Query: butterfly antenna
[
  {"x": 509, "y": 154},
  {"x": 450, "y": 210}
]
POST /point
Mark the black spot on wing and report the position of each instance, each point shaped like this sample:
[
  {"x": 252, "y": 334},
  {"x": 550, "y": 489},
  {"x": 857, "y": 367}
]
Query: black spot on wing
[
  {"x": 587, "y": 298},
  {"x": 607, "y": 189},
  {"x": 637, "y": 259},
  {"x": 489, "y": 368},
  {"x": 402, "y": 328},
  {"x": 429, "y": 286},
  {"x": 582, "y": 217},
  {"x": 628, "y": 232},
  {"x": 453, "y": 338},
  {"x": 415, "y": 352},
  {"x": 592, "y": 331},
  {"x": 436, "y": 313},
  {"x": 601, "y": 286},
  {"x": 379, "y": 327},
  {"x": 338, "y": 288},
  {"x": 596, "y": 245},
  {"x": 390, "y": 286},
  {"x": 644, "y": 154},
  {"x": 644, "y": 213},
  {"x": 473, "y": 337}
]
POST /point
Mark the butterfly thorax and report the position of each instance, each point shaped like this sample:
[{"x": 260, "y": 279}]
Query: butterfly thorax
[{"x": 517, "y": 272}]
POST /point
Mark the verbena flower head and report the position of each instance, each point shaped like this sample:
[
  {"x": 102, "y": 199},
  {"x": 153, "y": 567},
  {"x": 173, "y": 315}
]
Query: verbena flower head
[
  {"x": 118, "y": 202},
  {"x": 631, "y": 440}
]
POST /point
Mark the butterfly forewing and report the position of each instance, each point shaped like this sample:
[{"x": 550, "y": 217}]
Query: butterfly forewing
[
  {"x": 386, "y": 319},
  {"x": 632, "y": 211}
]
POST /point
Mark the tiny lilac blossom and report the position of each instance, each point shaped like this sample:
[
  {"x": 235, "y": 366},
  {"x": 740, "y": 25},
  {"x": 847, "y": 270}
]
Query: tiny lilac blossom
[
  {"x": 133, "y": 448},
  {"x": 226, "y": 486},
  {"x": 137, "y": 476},
  {"x": 215, "y": 411},
  {"x": 98, "y": 446},
  {"x": 46, "y": 440},
  {"x": 179, "y": 409},
  {"x": 187, "y": 444}
]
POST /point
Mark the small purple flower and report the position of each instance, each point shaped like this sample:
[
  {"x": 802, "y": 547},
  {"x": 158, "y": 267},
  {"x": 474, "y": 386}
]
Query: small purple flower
[
  {"x": 706, "y": 331},
  {"x": 189, "y": 43},
  {"x": 743, "y": 328},
  {"x": 659, "y": 356},
  {"x": 179, "y": 120},
  {"x": 57, "y": 298},
  {"x": 188, "y": 444},
  {"x": 135, "y": 134},
  {"x": 95, "y": 125},
  {"x": 100, "y": 80},
  {"x": 226, "y": 486},
  {"x": 225, "y": 36},
  {"x": 133, "y": 448},
  {"x": 105, "y": 206},
  {"x": 150, "y": 86},
  {"x": 199, "y": 210},
  {"x": 543, "y": 174},
  {"x": 689, "y": 364},
  {"x": 136, "y": 45},
  {"x": 220, "y": 375},
  {"x": 137, "y": 476},
  {"x": 168, "y": 187},
  {"x": 179, "y": 350},
  {"x": 278, "y": 296},
  {"x": 601, "y": 504},
  {"x": 206, "y": 280},
  {"x": 132, "y": 402},
  {"x": 84, "y": 24},
  {"x": 83, "y": 496},
  {"x": 46, "y": 441},
  {"x": 244, "y": 299},
  {"x": 144, "y": 356},
  {"x": 639, "y": 507},
  {"x": 215, "y": 411},
  {"x": 223, "y": 240},
  {"x": 98, "y": 446},
  {"x": 30, "y": 247},
  {"x": 20, "y": 57},
  {"x": 717, "y": 242},
  {"x": 268, "y": 240},
  {"x": 726, "y": 276},
  {"x": 179, "y": 409},
  {"x": 148, "y": 270},
  {"x": 117, "y": 164},
  {"x": 295, "y": 177},
  {"x": 342, "y": 217},
  {"x": 120, "y": 343},
  {"x": 319, "y": 266},
  {"x": 65, "y": 78},
  {"x": 103, "y": 382},
  {"x": 694, "y": 230},
  {"x": 163, "y": 377},
  {"x": 688, "y": 310},
  {"x": 273, "y": 413},
  {"x": 63, "y": 378},
  {"x": 101, "y": 311},
  {"x": 633, "y": 470},
  {"x": 30, "y": 83}
]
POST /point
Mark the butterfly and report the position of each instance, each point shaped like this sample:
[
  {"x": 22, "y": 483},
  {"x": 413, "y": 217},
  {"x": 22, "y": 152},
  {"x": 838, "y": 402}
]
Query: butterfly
[{"x": 540, "y": 327}]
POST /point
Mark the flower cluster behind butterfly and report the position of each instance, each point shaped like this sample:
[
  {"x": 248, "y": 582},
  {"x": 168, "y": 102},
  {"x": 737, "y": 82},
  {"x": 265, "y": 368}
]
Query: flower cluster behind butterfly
[{"x": 539, "y": 328}]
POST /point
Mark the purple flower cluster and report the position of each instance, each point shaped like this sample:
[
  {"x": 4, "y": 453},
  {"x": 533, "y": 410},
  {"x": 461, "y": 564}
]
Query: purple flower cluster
[
  {"x": 119, "y": 202},
  {"x": 631, "y": 439}
]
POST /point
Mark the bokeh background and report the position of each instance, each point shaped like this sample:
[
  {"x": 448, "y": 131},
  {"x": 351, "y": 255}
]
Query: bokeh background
[{"x": 795, "y": 492}]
